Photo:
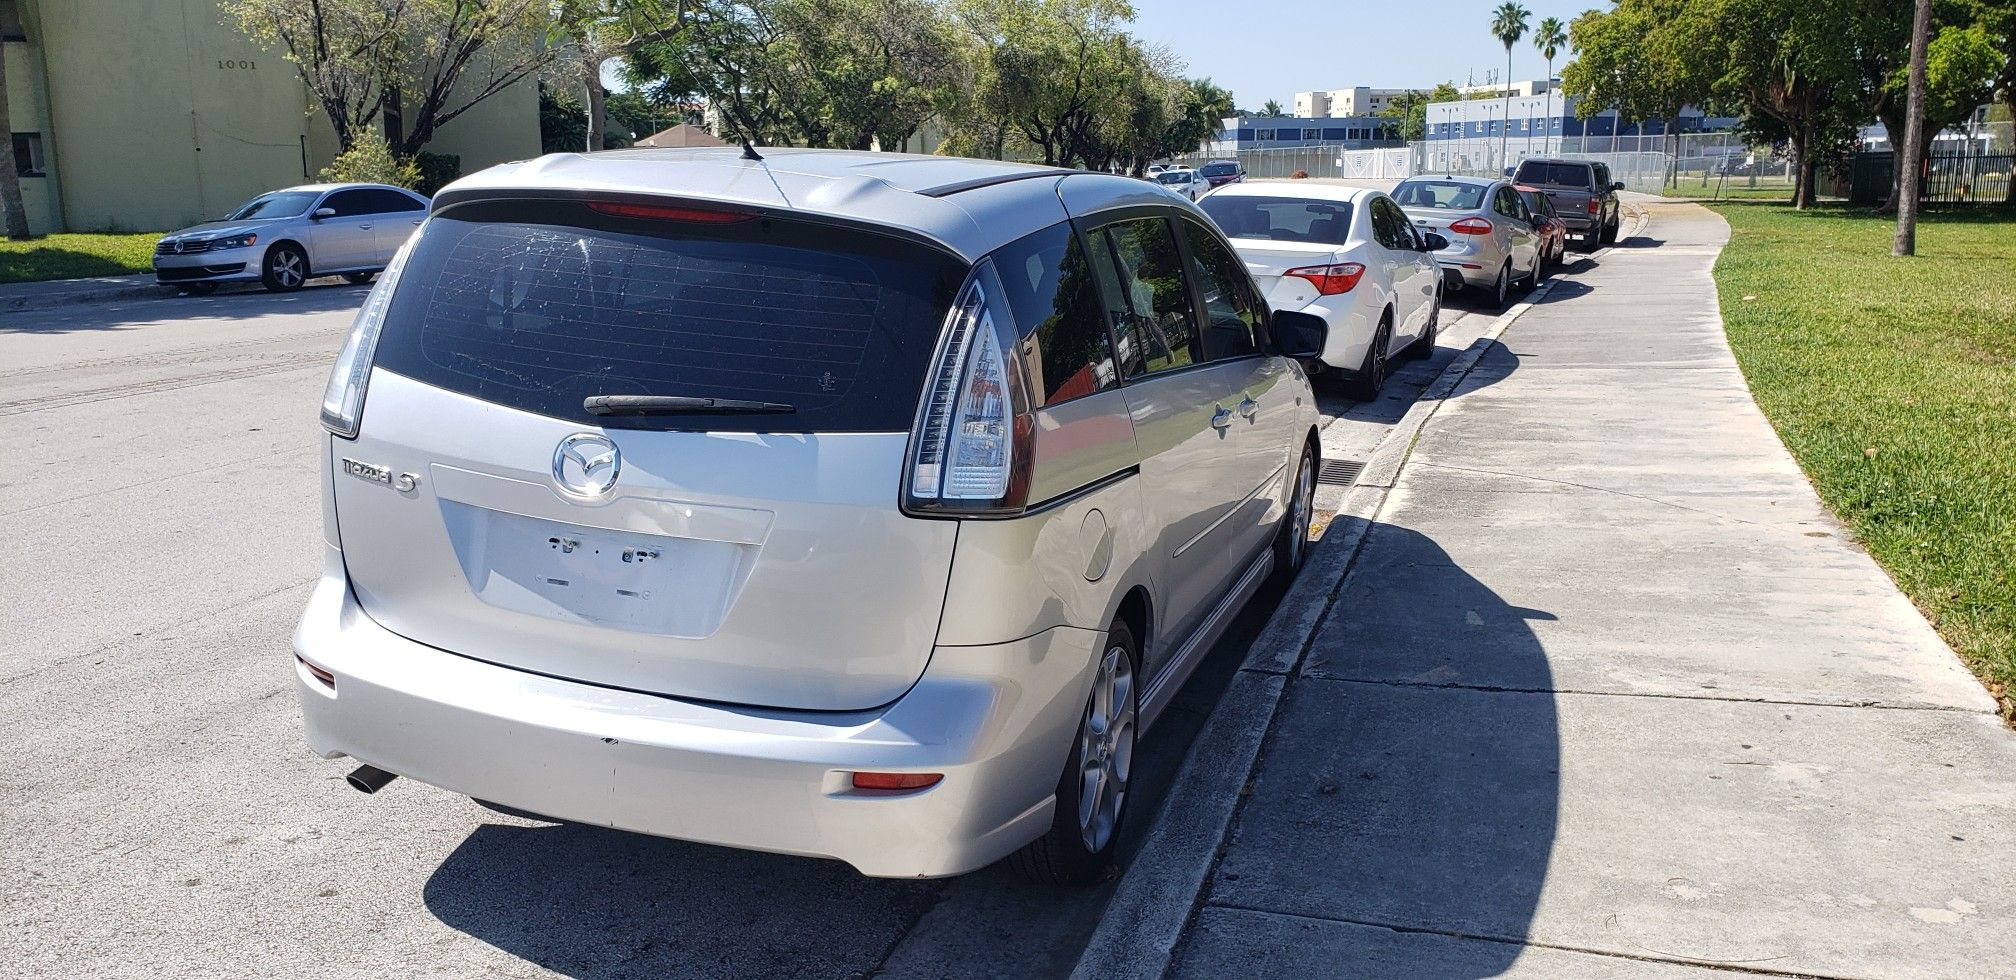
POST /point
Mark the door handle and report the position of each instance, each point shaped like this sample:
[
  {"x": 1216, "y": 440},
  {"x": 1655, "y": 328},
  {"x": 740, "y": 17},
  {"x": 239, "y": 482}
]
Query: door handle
[
  {"x": 1247, "y": 406},
  {"x": 1222, "y": 418},
  {"x": 365, "y": 227}
]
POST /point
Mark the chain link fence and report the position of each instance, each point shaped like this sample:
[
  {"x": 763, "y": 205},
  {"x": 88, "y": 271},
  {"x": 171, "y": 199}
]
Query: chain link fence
[{"x": 1316, "y": 160}]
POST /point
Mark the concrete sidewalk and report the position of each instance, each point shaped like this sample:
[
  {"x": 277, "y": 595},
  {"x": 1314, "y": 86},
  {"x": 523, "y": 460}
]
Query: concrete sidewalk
[
  {"x": 64, "y": 292},
  {"x": 1607, "y": 693}
]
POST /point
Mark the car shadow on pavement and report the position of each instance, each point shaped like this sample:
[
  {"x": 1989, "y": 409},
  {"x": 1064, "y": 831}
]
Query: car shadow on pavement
[
  {"x": 317, "y": 297},
  {"x": 1411, "y": 782},
  {"x": 596, "y": 903}
]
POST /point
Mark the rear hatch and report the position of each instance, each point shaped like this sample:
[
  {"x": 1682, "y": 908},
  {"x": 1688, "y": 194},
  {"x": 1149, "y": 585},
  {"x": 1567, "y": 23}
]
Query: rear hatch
[
  {"x": 754, "y": 556},
  {"x": 1568, "y": 185},
  {"x": 1275, "y": 234}
]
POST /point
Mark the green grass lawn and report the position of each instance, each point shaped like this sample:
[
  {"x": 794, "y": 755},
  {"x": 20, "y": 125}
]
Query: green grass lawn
[
  {"x": 76, "y": 256},
  {"x": 1894, "y": 383}
]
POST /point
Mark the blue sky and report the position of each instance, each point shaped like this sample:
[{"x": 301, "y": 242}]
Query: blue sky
[{"x": 1271, "y": 49}]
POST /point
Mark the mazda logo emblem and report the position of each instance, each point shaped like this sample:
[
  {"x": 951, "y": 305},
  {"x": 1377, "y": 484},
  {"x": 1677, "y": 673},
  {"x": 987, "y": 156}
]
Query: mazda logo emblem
[{"x": 586, "y": 464}]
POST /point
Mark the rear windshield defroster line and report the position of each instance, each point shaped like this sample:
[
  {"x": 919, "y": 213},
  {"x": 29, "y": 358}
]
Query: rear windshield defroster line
[{"x": 538, "y": 305}]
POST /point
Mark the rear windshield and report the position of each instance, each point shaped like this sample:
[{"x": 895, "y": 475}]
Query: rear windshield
[
  {"x": 1444, "y": 195},
  {"x": 538, "y": 305},
  {"x": 1173, "y": 177},
  {"x": 1280, "y": 219},
  {"x": 1569, "y": 174},
  {"x": 1218, "y": 169}
]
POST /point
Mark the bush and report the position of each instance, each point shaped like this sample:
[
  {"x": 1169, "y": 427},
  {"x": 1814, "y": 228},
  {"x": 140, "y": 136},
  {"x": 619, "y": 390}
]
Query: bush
[
  {"x": 437, "y": 170},
  {"x": 369, "y": 160}
]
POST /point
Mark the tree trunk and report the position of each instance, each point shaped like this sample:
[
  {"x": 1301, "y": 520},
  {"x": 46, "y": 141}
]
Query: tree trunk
[
  {"x": 1893, "y": 126},
  {"x": 10, "y": 181},
  {"x": 1798, "y": 169},
  {"x": 1914, "y": 126},
  {"x": 598, "y": 98}
]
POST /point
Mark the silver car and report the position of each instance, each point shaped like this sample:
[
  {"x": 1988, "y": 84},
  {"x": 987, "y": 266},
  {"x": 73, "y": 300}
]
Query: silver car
[
  {"x": 1494, "y": 243},
  {"x": 286, "y": 237},
  {"x": 864, "y": 506}
]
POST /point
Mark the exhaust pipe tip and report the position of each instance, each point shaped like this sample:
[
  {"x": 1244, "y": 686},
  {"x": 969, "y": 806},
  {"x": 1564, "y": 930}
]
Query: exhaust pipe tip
[{"x": 370, "y": 779}]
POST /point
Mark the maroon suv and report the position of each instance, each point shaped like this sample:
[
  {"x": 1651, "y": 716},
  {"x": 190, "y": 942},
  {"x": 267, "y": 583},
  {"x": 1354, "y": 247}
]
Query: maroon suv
[{"x": 1222, "y": 172}]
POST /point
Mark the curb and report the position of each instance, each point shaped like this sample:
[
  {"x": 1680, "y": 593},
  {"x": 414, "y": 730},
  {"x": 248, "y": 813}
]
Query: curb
[
  {"x": 72, "y": 297},
  {"x": 1158, "y": 895}
]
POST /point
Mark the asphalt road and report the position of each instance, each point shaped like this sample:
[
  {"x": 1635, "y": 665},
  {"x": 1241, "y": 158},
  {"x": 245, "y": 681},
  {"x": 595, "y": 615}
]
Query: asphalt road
[{"x": 160, "y": 815}]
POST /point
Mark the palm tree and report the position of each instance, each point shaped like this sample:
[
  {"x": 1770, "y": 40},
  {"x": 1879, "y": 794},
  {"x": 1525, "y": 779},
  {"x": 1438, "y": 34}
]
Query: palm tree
[
  {"x": 1550, "y": 37},
  {"x": 1508, "y": 25},
  {"x": 1272, "y": 110}
]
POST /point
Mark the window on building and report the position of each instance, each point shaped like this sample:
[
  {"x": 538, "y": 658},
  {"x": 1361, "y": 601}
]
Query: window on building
[
  {"x": 10, "y": 21},
  {"x": 1265, "y": 134},
  {"x": 1312, "y": 134},
  {"x": 1336, "y": 134},
  {"x": 28, "y": 155}
]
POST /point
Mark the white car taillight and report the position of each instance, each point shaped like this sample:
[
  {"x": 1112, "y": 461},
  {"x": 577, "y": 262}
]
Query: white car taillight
[
  {"x": 343, "y": 400},
  {"x": 972, "y": 445}
]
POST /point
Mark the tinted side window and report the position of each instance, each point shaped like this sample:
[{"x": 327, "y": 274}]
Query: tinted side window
[
  {"x": 1065, "y": 347},
  {"x": 1153, "y": 319},
  {"x": 391, "y": 202},
  {"x": 1383, "y": 229},
  {"x": 349, "y": 203},
  {"x": 1407, "y": 238},
  {"x": 1231, "y": 317}
]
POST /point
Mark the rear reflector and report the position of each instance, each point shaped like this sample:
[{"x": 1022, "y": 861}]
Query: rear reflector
[
  {"x": 896, "y": 780},
  {"x": 664, "y": 212},
  {"x": 320, "y": 674}
]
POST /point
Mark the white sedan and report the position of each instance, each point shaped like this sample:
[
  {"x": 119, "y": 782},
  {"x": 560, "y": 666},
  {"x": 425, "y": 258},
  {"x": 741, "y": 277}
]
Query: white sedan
[
  {"x": 1188, "y": 183},
  {"x": 1346, "y": 254}
]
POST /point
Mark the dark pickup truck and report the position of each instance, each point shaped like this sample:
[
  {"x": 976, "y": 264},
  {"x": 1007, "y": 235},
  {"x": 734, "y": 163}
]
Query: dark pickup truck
[{"x": 1584, "y": 196}]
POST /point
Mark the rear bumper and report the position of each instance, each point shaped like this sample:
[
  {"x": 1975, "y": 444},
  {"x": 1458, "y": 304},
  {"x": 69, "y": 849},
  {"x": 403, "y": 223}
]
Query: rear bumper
[
  {"x": 996, "y": 721},
  {"x": 1577, "y": 223},
  {"x": 1464, "y": 263}
]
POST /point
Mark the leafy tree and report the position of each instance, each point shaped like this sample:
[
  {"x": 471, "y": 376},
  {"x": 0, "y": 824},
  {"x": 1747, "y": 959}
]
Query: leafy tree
[
  {"x": 1407, "y": 116},
  {"x": 1960, "y": 67},
  {"x": 369, "y": 160},
  {"x": 563, "y": 127},
  {"x": 1998, "y": 19},
  {"x": 600, "y": 31},
  {"x": 1508, "y": 25},
  {"x": 1648, "y": 59},
  {"x": 347, "y": 52},
  {"x": 1790, "y": 66},
  {"x": 1272, "y": 110},
  {"x": 15, "y": 209}
]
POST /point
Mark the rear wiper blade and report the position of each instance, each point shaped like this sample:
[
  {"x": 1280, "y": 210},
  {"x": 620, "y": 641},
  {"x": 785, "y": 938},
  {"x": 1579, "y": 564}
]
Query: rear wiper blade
[{"x": 679, "y": 405}]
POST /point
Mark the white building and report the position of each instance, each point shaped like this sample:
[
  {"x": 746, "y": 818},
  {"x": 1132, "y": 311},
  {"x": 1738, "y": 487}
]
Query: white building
[
  {"x": 1528, "y": 88},
  {"x": 1360, "y": 101}
]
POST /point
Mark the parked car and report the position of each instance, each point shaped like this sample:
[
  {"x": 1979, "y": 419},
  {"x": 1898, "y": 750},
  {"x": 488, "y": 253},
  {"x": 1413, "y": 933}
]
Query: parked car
[
  {"x": 1188, "y": 183},
  {"x": 1492, "y": 243},
  {"x": 1553, "y": 231},
  {"x": 1346, "y": 254},
  {"x": 1583, "y": 194},
  {"x": 286, "y": 237},
  {"x": 1222, "y": 172},
  {"x": 672, "y": 491}
]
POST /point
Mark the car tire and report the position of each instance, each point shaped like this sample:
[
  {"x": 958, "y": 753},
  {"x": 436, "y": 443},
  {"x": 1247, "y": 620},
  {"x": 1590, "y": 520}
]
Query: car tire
[
  {"x": 1378, "y": 358},
  {"x": 197, "y": 288},
  {"x": 1501, "y": 291},
  {"x": 285, "y": 268},
  {"x": 1588, "y": 241},
  {"x": 1080, "y": 846},
  {"x": 359, "y": 278},
  {"x": 1423, "y": 346},
  {"x": 1531, "y": 280},
  {"x": 1546, "y": 267},
  {"x": 1291, "y": 542},
  {"x": 1610, "y": 232}
]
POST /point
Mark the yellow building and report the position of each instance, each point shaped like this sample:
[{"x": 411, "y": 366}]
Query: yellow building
[{"x": 147, "y": 115}]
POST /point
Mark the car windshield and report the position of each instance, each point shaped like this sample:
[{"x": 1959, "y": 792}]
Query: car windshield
[
  {"x": 279, "y": 204},
  {"x": 1219, "y": 169},
  {"x": 1279, "y": 219},
  {"x": 1173, "y": 177},
  {"x": 1569, "y": 174},
  {"x": 1443, "y": 195}
]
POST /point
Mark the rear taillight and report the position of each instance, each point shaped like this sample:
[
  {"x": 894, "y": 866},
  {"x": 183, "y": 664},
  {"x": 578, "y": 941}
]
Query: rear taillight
[
  {"x": 343, "y": 400},
  {"x": 1331, "y": 279},
  {"x": 1471, "y": 226},
  {"x": 1595, "y": 204},
  {"x": 972, "y": 446}
]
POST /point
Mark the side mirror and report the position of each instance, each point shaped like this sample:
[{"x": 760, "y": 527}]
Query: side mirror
[
  {"x": 1299, "y": 335},
  {"x": 321, "y": 213},
  {"x": 1618, "y": 186},
  {"x": 1433, "y": 242}
]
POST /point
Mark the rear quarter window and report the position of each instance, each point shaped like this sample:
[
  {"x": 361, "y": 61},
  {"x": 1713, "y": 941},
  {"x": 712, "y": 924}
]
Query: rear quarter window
[{"x": 539, "y": 305}]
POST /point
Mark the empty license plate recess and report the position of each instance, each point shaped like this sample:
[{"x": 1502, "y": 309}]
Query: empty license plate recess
[{"x": 649, "y": 583}]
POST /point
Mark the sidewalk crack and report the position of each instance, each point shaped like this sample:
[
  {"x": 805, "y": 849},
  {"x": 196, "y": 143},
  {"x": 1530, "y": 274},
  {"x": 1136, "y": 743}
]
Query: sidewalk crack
[
  {"x": 1583, "y": 486},
  {"x": 1507, "y": 689}
]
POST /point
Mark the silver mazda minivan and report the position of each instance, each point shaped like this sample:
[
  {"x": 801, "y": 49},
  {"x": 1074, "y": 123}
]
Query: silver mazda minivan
[{"x": 854, "y": 505}]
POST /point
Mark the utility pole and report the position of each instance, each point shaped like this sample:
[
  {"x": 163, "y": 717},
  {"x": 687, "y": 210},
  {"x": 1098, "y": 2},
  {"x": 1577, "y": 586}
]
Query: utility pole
[{"x": 1909, "y": 154}]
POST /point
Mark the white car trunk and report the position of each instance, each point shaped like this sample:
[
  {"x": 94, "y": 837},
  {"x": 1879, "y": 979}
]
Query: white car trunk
[{"x": 1269, "y": 261}]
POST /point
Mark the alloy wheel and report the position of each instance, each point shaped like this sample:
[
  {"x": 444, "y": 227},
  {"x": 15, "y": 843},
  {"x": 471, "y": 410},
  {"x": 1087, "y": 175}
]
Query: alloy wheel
[
  {"x": 1298, "y": 517},
  {"x": 1106, "y": 749},
  {"x": 287, "y": 269}
]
